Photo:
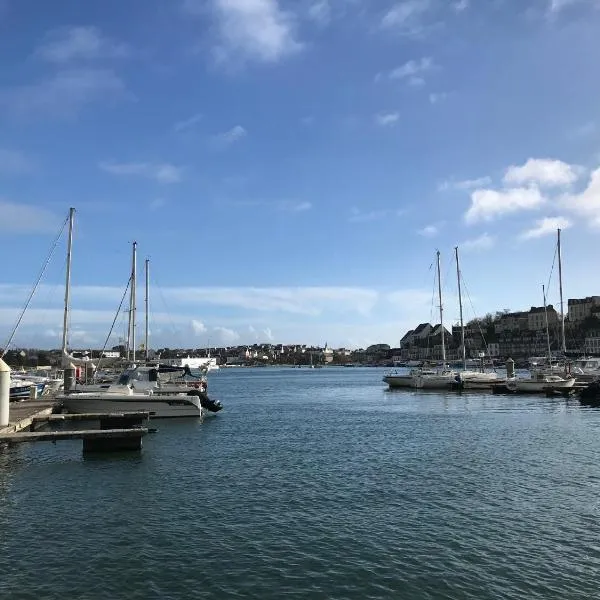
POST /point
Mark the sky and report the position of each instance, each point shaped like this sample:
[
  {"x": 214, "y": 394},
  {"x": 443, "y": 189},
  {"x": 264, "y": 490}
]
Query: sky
[{"x": 290, "y": 168}]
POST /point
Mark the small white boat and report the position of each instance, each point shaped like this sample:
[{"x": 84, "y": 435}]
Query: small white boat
[
  {"x": 401, "y": 380},
  {"x": 540, "y": 383},
  {"x": 124, "y": 399},
  {"x": 477, "y": 380},
  {"x": 434, "y": 380},
  {"x": 140, "y": 388}
]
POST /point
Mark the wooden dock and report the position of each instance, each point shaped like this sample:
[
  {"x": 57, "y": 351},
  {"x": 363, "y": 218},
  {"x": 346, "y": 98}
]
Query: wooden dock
[
  {"x": 22, "y": 414},
  {"x": 116, "y": 432}
]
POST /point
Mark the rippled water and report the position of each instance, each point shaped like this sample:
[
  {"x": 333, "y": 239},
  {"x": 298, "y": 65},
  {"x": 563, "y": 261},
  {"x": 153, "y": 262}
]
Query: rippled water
[{"x": 316, "y": 484}]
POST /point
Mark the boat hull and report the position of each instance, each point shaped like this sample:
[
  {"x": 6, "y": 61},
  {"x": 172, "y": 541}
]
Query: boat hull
[
  {"x": 22, "y": 392},
  {"x": 158, "y": 407},
  {"x": 399, "y": 381},
  {"x": 524, "y": 386}
]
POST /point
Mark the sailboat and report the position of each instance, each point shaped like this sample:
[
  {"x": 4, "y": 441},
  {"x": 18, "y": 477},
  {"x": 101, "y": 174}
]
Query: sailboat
[
  {"x": 121, "y": 396},
  {"x": 467, "y": 379},
  {"x": 422, "y": 378},
  {"x": 541, "y": 381}
]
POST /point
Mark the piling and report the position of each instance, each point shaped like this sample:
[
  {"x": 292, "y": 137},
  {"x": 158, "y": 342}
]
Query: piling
[
  {"x": 89, "y": 372},
  {"x": 510, "y": 368},
  {"x": 69, "y": 377},
  {"x": 33, "y": 392},
  {"x": 4, "y": 393}
]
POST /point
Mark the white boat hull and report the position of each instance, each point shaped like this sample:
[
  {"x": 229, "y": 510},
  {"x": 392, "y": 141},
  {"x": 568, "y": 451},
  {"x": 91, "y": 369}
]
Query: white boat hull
[
  {"x": 525, "y": 386},
  {"x": 158, "y": 407},
  {"x": 434, "y": 382},
  {"x": 399, "y": 381}
]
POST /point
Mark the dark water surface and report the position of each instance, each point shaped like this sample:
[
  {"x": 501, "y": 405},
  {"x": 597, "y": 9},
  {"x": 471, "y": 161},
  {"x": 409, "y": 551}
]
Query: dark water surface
[{"x": 316, "y": 484}]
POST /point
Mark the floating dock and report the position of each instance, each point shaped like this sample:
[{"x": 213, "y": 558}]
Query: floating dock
[{"x": 117, "y": 432}]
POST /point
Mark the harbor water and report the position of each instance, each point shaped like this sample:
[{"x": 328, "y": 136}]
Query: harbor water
[{"x": 316, "y": 484}]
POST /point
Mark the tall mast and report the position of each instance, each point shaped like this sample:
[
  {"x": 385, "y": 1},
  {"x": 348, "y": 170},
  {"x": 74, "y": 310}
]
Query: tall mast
[
  {"x": 133, "y": 298},
  {"x": 460, "y": 306},
  {"x": 68, "y": 281},
  {"x": 147, "y": 306},
  {"x": 441, "y": 310},
  {"x": 547, "y": 329},
  {"x": 563, "y": 341}
]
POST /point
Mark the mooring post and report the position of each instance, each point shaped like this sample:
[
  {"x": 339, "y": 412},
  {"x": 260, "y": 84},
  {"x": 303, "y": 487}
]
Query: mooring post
[
  {"x": 510, "y": 368},
  {"x": 4, "y": 393},
  {"x": 69, "y": 377}
]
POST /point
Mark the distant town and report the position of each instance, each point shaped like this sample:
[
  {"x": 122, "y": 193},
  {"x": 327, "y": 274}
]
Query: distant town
[{"x": 504, "y": 334}]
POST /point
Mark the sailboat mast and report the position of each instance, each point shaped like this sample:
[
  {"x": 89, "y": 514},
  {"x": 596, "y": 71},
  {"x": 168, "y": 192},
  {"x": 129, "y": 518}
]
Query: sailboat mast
[
  {"x": 147, "y": 303},
  {"x": 133, "y": 298},
  {"x": 68, "y": 282},
  {"x": 547, "y": 328},
  {"x": 563, "y": 341},
  {"x": 460, "y": 306},
  {"x": 441, "y": 309}
]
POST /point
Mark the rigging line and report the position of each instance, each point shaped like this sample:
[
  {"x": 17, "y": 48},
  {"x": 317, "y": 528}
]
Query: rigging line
[
  {"x": 552, "y": 269},
  {"x": 477, "y": 320},
  {"x": 112, "y": 326},
  {"x": 41, "y": 274},
  {"x": 173, "y": 330}
]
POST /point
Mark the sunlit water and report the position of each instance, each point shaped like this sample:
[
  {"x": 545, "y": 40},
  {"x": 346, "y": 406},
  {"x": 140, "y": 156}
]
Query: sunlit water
[{"x": 316, "y": 484}]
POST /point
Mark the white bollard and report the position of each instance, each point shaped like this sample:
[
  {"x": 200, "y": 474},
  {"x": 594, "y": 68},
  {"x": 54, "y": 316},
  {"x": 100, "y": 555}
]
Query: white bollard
[
  {"x": 4, "y": 393},
  {"x": 33, "y": 392}
]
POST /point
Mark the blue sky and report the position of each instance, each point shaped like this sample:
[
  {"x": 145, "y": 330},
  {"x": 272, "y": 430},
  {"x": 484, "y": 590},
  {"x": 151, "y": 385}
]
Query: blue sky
[{"x": 290, "y": 168}]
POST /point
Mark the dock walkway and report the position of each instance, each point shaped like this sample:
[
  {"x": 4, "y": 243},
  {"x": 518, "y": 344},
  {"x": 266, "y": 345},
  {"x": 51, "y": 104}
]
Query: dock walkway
[{"x": 22, "y": 414}]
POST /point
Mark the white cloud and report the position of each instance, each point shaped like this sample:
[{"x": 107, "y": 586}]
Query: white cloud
[
  {"x": 187, "y": 123},
  {"x": 406, "y": 16},
  {"x": 301, "y": 300},
  {"x": 358, "y": 216},
  {"x": 157, "y": 203},
  {"x": 234, "y": 134},
  {"x": 460, "y": 5},
  {"x": 483, "y": 242},
  {"x": 268, "y": 334},
  {"x": 487, "y": 205},
  {"x": 198, "y": 327},
  {"x": 543, "y": 172},
  {"x": 13, "y": 162},
  {"x": 64, "y": 93},
  {"x": 464, "y": 185},
  {"x": 583, "y": 131},
  {"x": 67, "y": 44},
  {"x": 258, "y": 30},
  {"x": 587, "y": 203},
  {"x": 22, "y": 218},
  {"x": 546, "y": 226},
  {"x": 291, "y": 206},
  {"x": 320, "y": 12},
  {"x": 225, "y": 335},
  {"x": 438, "y": 97},
  {"x": 387, "y": 119},
  {"x": 161, "y": 172},
  {"x": 556, "y": 6},
  {"x": 429, "y": 231},
  {"x": 413, "y": 71}
]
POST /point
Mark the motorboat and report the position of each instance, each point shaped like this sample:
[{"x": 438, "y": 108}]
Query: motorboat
[
  {"x": 477, "y": 380},
  {"x": 119, "y": 398},
  {"x": 586, "y": 370},
  {"x": 140, "y": 387},
  {"x": 20, "y": 388},
  {"x": 540, "y": 382}
]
